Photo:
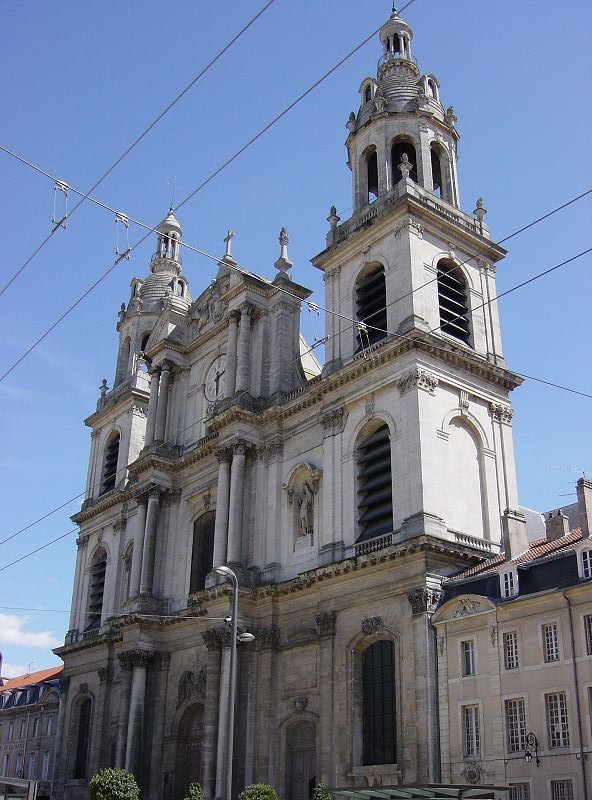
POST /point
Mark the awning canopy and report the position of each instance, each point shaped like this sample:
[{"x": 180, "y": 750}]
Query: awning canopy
[{"x": 430, "y": 791}]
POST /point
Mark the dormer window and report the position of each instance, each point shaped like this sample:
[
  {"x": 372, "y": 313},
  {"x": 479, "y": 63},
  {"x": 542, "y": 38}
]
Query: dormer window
[
  {"x": 509, "y": 583},
  {"x": 585, "y": 563}
]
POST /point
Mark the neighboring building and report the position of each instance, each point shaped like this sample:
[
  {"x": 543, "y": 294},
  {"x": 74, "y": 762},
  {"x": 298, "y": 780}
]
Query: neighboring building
[
  {"x": 515, "y": 658},
  {"x": 341, "y": 498},
  {"x": 29, "y": 710}
]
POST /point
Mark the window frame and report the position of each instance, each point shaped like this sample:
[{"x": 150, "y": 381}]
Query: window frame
[
  {"x": 551, "y": 648},
  {"x": 470, "y": 715},
  {"x": 379, "y": 723},
  {"x": 558, "y": 734},
  {"x": 506, "y": 651},
  {"x": 561, "y": 784},
  {"x": 468, "y": 657},
  {"x": 519, "y": 785},
  {"x": 517, "y": 728}
]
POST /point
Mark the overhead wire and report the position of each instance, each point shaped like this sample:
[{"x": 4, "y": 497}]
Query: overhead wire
[
  {"x": 192, "y": 194},
  {"x": 138, "y": 139}
]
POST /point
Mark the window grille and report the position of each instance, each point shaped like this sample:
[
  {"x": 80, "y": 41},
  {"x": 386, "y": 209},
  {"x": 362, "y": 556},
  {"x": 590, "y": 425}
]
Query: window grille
[
  {"x": 452, "y": 300},
  {"x": 588, "y": 630},
  {"x": 468, "y": 657},
  {"x": 110, "y": 464},
  {"x": 519, "y": 791},
  {"x": 557, "y": 720},
  {"x": 371, "y": 307},
  {"x": 378, "y": 704},
  {"x": 471, "y": 731},
  {"x": 375, "y": 496},
  {"x": 562, "y": 790},
  {"x": 516, "y": 724},
  {"x": 550, "y": 642},
  {"x": 511, "y": 659}
]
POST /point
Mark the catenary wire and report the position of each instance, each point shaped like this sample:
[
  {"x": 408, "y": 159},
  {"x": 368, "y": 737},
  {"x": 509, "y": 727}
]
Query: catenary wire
[
  {"x": 139, "y": 138},
  {"x": 192, "y": 194}
]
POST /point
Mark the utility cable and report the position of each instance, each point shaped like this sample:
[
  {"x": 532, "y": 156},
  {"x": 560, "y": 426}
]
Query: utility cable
[{"x": 139, "y": 138}]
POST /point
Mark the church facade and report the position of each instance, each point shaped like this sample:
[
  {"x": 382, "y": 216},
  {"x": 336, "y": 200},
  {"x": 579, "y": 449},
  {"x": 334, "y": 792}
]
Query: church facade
[{"x": 342, "y": 497}]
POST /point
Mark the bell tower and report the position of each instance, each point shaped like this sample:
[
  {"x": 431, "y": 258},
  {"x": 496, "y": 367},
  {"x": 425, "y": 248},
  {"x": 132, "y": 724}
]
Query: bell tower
[{"x": 416, "y": 275}]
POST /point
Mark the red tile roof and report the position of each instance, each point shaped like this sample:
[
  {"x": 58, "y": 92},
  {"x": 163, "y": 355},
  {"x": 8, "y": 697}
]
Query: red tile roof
[
  {"x": 538, "y": 549},
  {"x": 32, "y": 678}
]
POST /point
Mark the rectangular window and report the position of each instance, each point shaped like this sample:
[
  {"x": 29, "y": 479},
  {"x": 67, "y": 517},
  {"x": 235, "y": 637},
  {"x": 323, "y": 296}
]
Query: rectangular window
[
  {"x": 557, "y": 721},
  {"x": 550, "y": 642},
  {"x": 519, "y": 791},
  {"x": 561, "y": 790},
  {"x": 508, "y": 584},
  {"x": 588, "y": 629},
  {"x": 31, "y": 767},
  {"x": 511, "y": 650},
  {"x": 587, "y": 564},
  {"x": 471, "y": 732},
  {"x": 6, "y": 765},
  {"x": 10, "y": 731},
  {"x": 49, "y": 729},
  {"x": 516, "y": 725},
  {"x": 45, "y": 766},
  {"x": 468, "y": 657}
]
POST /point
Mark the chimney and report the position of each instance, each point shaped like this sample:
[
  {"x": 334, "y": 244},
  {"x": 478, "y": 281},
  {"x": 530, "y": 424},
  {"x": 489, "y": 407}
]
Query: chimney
[
  {"x": 515, "y": 538},
  {"x": 556, "y": 526},
  {"x": 584, "y": 490}
]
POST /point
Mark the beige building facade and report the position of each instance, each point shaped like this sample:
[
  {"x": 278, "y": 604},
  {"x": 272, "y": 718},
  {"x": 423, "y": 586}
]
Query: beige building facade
[{"x": 328, "y": 491}]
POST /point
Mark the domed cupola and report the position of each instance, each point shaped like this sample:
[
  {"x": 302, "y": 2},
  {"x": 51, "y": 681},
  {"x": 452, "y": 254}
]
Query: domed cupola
[{"x": 397, "y": 64}]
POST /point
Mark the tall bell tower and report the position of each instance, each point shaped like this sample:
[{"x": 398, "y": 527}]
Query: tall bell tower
[{"x": 416, "y": 274}]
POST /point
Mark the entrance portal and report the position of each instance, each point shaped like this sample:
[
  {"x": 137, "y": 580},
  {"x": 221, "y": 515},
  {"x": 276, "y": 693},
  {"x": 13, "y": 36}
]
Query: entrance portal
[
  {"x": 300, "y": 761},
  {"x": 189, "y": 743}
]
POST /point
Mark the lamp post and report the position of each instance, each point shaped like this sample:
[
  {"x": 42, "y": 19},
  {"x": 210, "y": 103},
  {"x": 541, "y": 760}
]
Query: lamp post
[
  {"x": 531, "y": 741},
  {"x": 234, "y": 639}
]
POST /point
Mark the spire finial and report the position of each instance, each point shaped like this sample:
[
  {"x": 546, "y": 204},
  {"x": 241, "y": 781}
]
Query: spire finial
[
  {"x": 283, "y": 263},
  {"x": 228, "y": 241}
]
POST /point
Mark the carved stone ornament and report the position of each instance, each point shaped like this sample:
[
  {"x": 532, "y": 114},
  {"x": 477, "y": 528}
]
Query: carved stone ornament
[
  {"x": 268, "y": 637},
  {"x": 105, "y": 674},
  {"x": 411, "y": 226},
  {"x": 326, "y": 623},
  {"x": 423, "y": 600},
  {"x": 120, "y": 524},
  {"x": 300, "y": 704},
  {"x": 472, "y": 772},
  {"x": 369, "y": 404},
  {"x": 332, "y": 420},
  {"x": 501, "y": 413},
  {"x": 418, "y": 377},
  {"x": 372, "y": 625},
  {"x": 467, "y": 607},
  {"x": 211, "y": 639},
  {"x": 463, "y": 401},
  {"x": 82, "y": 541},
  {"x": 191, "y": 684},
  {"x": 493, "y": 634},
  {"x": 83, "y": 688}
]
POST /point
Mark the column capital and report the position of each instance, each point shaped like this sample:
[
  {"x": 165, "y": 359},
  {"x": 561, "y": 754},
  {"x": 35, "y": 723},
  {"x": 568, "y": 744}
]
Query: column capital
[
  {"x": 162, "y": 661},
  {"x": 154, "y": 370},
  {"x": 223, "y": 453},
  {"x": 268, "y": 638},
  {"x": 166, "y": 365},
  {"x": 240, "y": 447},
  {"x": 82, "y": 541},
  {"x": 105, "y": 674},
  {"x": 135, "y": 658},
  {"x": 423, "y": 600},
  {"x": 326, "y": 623},
  {"x": 246, "y": 309},
  {"x": 501, "y": 413},
  {"x": 234, "y": 316}
]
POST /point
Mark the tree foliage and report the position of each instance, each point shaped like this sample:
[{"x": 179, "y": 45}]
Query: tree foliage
[
  {"x": 113, "y": 784},
  {"x": 195, "y": 792},
  {"x": 320, "y": 792},
  {"x": 258, "y": 791}
]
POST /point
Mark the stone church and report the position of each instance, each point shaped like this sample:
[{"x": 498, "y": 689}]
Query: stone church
[{"x": 341, "y": 496}]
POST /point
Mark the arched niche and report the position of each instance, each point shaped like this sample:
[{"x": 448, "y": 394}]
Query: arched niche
[
  {"x": 300, "y": 760},
  {"x": 400, "y": 147},
  {"x": 189, "y": 744}
]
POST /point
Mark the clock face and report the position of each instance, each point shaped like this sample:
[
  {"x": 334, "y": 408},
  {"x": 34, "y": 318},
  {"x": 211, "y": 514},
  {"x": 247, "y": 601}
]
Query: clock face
[{"x": 215, "y": 379}]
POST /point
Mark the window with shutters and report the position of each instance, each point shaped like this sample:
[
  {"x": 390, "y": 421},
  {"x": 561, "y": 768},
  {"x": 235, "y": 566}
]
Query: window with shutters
[
  {"x": 371, "y": 307},
  {"x": 203, "y": 551},
  {"x": 586, "y": 563},
  {"x": 374, "y": 491},
  {"x": 96, "y": 590},
  {"x": 453, "y": 301},
  {"x": 109, "y": 474}
]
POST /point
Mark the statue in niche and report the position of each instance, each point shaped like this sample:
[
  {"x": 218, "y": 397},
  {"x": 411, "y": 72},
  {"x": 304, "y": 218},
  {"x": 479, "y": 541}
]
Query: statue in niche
[{"x": 305, "y": 499}]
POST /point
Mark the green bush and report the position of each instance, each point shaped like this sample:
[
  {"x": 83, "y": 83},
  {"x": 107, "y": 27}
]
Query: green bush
[
  {"x": 195, "y": 792},
  {"x": 258, "y": 791},
  {"x": 113, "y": 784},
  {"x": 320, "y": 792}
]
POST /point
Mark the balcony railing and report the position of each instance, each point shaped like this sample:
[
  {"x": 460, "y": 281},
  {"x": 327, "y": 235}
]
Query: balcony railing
[
  {"x": 387, "y": 57},
  {"x": 168, "y": 256}
]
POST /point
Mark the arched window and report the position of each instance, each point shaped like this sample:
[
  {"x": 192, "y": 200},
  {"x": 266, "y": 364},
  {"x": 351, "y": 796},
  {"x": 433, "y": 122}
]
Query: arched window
[
  {"x": 452, "y": 301},
  {"x": 432, "y": 88},
  {"x": 371, "y": 306},
  {"x": 180, "y": 288},
  {"x": 374, "y": 491},
  {"x": 144, "y": 342},
  {"x": 372, "y": 175},
  {"x": 202, "y": 556},
  {"x": 96, "y": 590},
  {"x": 436, "y": 172},
  {"x": 109, "y": 477},
  {"x": 83, "y": 739},
  {"x": 379, "y": 745},
  {"x": 400, "y": 148},
  {"x": 368, "y": 93}
]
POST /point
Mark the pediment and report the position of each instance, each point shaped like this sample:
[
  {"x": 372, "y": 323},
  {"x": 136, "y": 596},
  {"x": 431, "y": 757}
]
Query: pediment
[
  {"x": 465, "y": 605},
  {"x": 170, "y": 327},
  {"x": 210, "y": 308}
]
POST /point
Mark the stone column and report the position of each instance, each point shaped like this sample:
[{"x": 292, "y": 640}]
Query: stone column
[
  {"x": 124, "y": 704},
  {"x": 60, "y": 754},
  {"x": 224, "y": 635},
  {"x": 327, "y": 760},
  {"x": 76, "y": 616},
  {"x": 133, "y": 750},
  {"x": 99, "y": 736},
  {"x": 210, "y": 718},
  {"x": 266, "y": 758},
  {"x": 242, "y": 371},
  {"x": 149, "y": 542},
  {"x": 159, "y": 703},
  {"x": 235, "y": 514},
  {"x": 224, "y": 456},
  {"x": 136, "y": 572},
  {"x": 152, "y": 406},
  {"x": 231, "y": 354},
  {"x": 163, "y": 402}
]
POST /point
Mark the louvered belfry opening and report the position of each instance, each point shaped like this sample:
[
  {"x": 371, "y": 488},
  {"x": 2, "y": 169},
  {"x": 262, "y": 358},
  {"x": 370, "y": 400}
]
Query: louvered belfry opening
[
  {"x": 371, "y": 306},
  {"x": 96, "y": 591},
  {"x": 452, "y": 300},
  {"x": 375, "y": 494},
  {"x": 202, "y": 557},
  {"x": 110, "y": 464}
]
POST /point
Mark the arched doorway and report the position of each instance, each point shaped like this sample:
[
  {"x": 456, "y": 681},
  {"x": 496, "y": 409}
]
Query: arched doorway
[
  {"x": 189, "y": 744},
  {"x": 301, "y": 760}
]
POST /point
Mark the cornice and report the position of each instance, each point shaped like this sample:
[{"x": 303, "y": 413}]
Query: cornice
[
  {"x": 108, "y": 410},
  {"x": 103, "y": 504}
]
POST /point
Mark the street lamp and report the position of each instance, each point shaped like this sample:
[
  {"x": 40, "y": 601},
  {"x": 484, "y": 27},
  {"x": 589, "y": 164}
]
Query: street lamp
[
  {"x": 531, "y": 741},
  {"x": 234, "y": 638}
]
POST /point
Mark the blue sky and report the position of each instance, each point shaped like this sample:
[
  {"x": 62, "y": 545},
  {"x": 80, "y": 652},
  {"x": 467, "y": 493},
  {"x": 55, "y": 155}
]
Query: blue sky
[{"x": 80, "y": 81}]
